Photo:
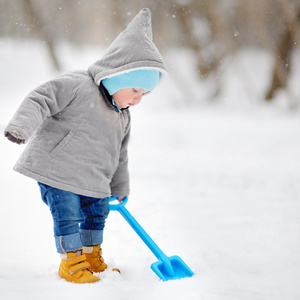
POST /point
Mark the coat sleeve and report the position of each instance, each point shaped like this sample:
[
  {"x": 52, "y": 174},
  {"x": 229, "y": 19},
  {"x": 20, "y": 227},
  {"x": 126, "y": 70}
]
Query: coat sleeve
[
  {"x": 44, "y": 101},
  {"x": 120, "y": 181}
]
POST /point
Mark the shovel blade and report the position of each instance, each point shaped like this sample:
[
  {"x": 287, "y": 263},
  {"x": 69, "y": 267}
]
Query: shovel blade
[{"x": 174, "y": 269}]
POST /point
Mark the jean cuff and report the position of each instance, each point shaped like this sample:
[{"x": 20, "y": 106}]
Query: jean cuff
[
  {"x": 91, "y": 237},
  {"x": 68, "y": 243}
]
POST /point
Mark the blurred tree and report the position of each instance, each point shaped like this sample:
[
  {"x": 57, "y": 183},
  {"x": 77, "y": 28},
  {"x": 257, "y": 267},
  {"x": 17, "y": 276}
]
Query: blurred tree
[
  {"x": 283, "y": 49},
  {"x": 36, "y": 21},
  {"x": 275, "y": 24},
  {"x": 284, "y": 42}
]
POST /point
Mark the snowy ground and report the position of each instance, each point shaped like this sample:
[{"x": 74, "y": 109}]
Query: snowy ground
[{"x": 217, "y": 186}]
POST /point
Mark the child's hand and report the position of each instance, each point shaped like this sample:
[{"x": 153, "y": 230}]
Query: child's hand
[
  {"x": 120, "y": 199},
  {"x": 15, "y": 137}
]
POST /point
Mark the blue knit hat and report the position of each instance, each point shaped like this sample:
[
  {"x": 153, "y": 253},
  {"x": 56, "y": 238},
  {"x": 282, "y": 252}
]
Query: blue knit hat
[{"x": 143, "y": 78}]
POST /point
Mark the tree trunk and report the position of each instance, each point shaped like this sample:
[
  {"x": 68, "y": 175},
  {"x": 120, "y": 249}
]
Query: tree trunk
[
  {"x": 38, "y": 24},
  {"x": 284, "y": 52}
]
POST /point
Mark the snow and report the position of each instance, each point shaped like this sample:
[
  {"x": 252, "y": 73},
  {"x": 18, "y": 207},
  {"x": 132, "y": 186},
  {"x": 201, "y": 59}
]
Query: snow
[{"x": 216, "y": 184}]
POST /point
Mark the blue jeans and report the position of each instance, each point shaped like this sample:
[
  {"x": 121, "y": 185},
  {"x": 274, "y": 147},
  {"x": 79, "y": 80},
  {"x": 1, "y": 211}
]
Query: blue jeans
[{"x": 78, "y": 220}]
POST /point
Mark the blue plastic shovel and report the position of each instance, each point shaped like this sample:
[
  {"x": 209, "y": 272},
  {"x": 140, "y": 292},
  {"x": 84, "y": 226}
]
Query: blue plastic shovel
[{"x": 166, "y": 268}]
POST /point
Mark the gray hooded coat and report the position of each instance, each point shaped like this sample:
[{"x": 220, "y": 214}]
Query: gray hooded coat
[{"x": 77, "y": 141}]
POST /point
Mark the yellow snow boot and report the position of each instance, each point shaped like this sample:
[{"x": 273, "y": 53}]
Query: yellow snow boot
[
  {"x": 94, "y": 258},
  {"x": 75, "y": 268}
]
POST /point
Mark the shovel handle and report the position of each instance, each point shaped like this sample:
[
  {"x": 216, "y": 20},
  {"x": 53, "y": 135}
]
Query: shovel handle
[
  {"x": 116, "y": 206},
  {"x": 136, "y": 226}
]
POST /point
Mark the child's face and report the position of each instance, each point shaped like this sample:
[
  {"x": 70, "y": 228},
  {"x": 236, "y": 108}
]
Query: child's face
[{"x": 129, "y": 96}]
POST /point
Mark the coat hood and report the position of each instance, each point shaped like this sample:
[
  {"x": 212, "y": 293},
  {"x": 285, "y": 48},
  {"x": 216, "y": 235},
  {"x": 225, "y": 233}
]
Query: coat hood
[{"x": 132, "y": 49}]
